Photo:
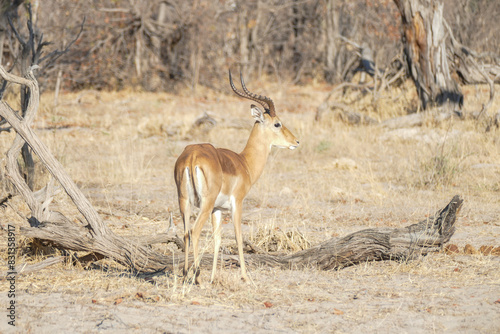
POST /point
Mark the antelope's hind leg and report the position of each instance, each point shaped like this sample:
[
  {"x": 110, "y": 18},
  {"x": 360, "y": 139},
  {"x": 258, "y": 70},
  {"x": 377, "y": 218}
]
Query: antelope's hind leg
[
  {"x": 205, "y": 210},
  {"x": 186, "y": 216},
  {"x": 216, "y": 224}
]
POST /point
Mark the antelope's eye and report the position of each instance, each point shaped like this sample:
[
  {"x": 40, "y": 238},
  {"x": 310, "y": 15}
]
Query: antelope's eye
[{"x": 277, "y": 125}]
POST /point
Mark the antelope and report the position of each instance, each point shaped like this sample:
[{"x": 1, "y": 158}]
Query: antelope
[{"x": 216, "y": 179}]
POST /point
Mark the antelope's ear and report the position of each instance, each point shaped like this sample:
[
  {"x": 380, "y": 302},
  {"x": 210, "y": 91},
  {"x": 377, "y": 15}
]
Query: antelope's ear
[{"x": 257, "y": 114}]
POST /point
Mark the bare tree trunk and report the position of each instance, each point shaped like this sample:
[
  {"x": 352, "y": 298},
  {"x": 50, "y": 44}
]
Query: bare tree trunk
[
  {"x": 2, "y": 40},
  {"x": 195, "y": 61},
  {"x": 256, "y": 54},
  {"x": 155, "y": 40},
  {"x": 58, "y": 87},
  {"x": 297, "y": 29},
  {"x": 424, "y": 39},
  {"x": 331, "y": 32},
  {"x": 138, "y": 54},
  {"x": 243, "y": 34}
]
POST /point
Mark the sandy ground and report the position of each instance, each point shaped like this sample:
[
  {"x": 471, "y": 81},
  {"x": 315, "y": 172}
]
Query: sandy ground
[
  {"x": 342, "y": 179},
  {"x": 441, "y": 293},
  {"x": 354, "y": 300}
]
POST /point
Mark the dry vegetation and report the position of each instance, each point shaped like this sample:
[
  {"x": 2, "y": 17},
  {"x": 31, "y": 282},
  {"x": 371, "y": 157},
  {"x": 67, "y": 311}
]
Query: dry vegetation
[{"x": 120, "y": 148}]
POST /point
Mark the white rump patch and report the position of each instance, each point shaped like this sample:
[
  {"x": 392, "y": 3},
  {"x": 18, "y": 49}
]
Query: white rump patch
[
  {"x": 199, "y": 179},
  {"x": 189, "y": 186}
]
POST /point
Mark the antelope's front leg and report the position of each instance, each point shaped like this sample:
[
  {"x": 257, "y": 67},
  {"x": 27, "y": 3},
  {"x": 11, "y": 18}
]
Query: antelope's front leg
[{"x": 237, "y": 207}]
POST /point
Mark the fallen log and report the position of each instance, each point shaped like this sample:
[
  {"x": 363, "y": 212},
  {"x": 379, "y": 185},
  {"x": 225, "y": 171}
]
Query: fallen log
[
  {"x": 378, "y": 244},
  {"x": 401, "y": 244}
]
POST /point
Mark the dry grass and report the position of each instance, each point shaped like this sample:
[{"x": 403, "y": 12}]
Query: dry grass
[{"x": 120, "y": 148}]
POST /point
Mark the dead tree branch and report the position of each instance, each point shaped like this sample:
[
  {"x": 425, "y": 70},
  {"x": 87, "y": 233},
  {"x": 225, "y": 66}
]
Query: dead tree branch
[
  {"x": 471, "y": 72},
  {"x": 400, "y": 244},
  {"x": 25, "y": 268}
]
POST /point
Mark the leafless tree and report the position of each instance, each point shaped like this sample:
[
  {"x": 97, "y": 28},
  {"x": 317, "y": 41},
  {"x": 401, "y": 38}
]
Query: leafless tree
[
  {"x": 433, "y": 54},
  {"x": 27, "y": 48}
]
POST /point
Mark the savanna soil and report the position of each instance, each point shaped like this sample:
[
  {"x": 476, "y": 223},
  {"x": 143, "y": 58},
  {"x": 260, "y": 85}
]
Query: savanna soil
[{"x": 120, "y": 148}]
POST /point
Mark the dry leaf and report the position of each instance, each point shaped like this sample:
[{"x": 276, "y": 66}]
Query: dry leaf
[
  {"x": 495, "y": 251},
  {"x": 118, "y": 300},
  {"x": 451, "y": 249},
  {"x": 268, "y": 304},
  {"x": 469, "y": 249},
  {"x": 337, "y": 311},
  {"x": 486, "y": 250}
]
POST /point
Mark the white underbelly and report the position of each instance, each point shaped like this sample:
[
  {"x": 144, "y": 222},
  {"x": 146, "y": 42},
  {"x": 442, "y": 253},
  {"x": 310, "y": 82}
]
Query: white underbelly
[{"x": 223, "y": 202}]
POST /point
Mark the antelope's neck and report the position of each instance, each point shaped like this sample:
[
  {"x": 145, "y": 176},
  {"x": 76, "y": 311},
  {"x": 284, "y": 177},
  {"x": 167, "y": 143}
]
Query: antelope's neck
[{"x": 256, "y": 152}]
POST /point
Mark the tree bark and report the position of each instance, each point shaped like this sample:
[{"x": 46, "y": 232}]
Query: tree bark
[{"x": 424, "y": 39}]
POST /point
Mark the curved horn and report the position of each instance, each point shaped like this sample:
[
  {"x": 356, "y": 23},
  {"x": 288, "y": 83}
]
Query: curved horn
[
  {"x": 264, "y": 101},
  {"x": 268, "y": 101}
]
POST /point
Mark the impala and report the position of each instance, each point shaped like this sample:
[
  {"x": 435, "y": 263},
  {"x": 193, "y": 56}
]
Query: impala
[{"x": 215, "y": 179}]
